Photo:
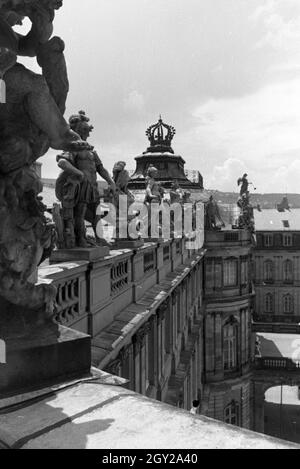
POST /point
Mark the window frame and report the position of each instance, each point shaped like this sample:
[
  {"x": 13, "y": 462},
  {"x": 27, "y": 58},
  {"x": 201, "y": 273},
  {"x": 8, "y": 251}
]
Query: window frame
[
  {"x": 230, "y": 345},
  {"x": 266, "y": 277},
  {"x": 269, "y": 310},
  {"x": 269, "y": 237},
  {"x": 228, "y": 283},
  {"x": 288, "y": 308},
  {"x": 234, "y": 414},
  {"x": 288, "y": 274}
]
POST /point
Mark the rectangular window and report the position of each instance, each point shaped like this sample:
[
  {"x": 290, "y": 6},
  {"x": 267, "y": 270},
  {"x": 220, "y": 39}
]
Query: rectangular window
[
  {"x": 268, "y": 240},
  {"x": 151, "y": 356},
  {"x": 218, "y": 273},
  {"x": 232, "y": 414},
  {"x": 244, "y": 272},
  {"x": 178, "y": 309},
  {"x": 230, "y": 273},
  {"x": 230, "y": 332}
]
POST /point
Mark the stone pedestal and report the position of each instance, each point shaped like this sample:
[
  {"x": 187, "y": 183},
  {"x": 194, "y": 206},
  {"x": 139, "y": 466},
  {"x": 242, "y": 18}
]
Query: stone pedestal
[
  {"x": 32, "y": 362},
  {"x": 128, "y": 243},
  {"x": 159, "y": 241},
  {"x": 79, "y": 254}
]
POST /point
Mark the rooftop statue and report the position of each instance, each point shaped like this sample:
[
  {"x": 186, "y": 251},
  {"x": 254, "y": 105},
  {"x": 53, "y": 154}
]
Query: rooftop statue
[
  {"x": 77, "y": 188},
  {"x": 213, "y": 220},
  {"x": 160, "y": 136},
  {"x": 244, "y": 183},
  {"x": 246, "y": 218},
  {"x": 154, "y": 197},
  {"x": 176, "y": 193},
  {"x": 31, "y": 121},
  {"x": 121, "y": 179},
  {"x": 154, "y": 190}
]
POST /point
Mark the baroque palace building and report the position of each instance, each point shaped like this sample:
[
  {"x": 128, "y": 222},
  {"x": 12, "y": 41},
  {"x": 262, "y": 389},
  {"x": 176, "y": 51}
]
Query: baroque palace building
[
  {"x": 228, "y": 351},
  {"x": 176, "y": 323}
]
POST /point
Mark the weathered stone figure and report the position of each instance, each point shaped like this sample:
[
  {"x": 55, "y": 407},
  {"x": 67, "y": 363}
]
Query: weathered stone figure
[
  {"x": 31, "y": 121},
  {"x": 154, "y": 190},
  {"x": 213, "y": 220},
  {"x": 77, "y": 187},
  {"x": 176, "y": 193},
  {"x": 244, "y": 183},
  {"x": 121, "y": 179}
]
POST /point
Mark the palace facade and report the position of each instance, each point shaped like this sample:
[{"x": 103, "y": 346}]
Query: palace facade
[{"x": 277, "y": 266}]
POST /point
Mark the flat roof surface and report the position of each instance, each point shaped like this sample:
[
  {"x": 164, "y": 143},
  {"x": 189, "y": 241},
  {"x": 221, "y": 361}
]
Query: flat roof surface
[
  {"x": 272, "y": 220},
  {"x": 279, "y": 345},
  {"x": 93, "y": 415}
]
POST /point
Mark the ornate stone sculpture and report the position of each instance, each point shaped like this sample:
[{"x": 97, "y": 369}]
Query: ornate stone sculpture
[
  {"x": 246, "y": 218},
  {"x": 213, "y": 220},
  {"x": 123, "y": 219},
  {"x": 77, "y": 188},
  {"x": 154, "y": 197},
  {"x": 31, "y": 120},
  {"x": 121, "y": 179},
  {"x": 176, "y": 193},
  {"x": 154, "y": 190},
  {"x": 160, "y": 136}
]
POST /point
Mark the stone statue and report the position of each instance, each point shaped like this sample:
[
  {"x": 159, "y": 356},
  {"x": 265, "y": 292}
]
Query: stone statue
[
  {"x": 154, "y": 191},
  {"x": 176, "y": 193},
  {"x": 121, "y": 179},
  {"x": 77, "y": 188},
  {"x": 31, "y": 121},
  {"x": 243, "y": 182},
  {"x": 213, "y": 220},
  {"x": 246, "y": 218}
]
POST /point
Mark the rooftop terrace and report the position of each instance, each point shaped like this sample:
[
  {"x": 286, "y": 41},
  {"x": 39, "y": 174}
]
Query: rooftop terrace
[{"x": 97, "y": 414}]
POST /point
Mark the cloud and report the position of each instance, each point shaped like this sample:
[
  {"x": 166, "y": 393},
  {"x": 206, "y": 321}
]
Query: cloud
[
  {"x": 222, "y": 176},
  {"x": 225, "y": 73},
  {"x": 260, "y": 130},
  {"x": 134, "y": 102}
]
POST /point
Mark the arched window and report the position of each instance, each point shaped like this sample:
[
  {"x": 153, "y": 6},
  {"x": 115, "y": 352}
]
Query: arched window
[
  {"x": 288, "y": 304},
  {"x": 288, "y": 271},
  {"x": 230, "y": 335},
  {"x": 268, "y": 271},
  {"x": 232, "y": 413},
  {"x": 269, "y": 303}
]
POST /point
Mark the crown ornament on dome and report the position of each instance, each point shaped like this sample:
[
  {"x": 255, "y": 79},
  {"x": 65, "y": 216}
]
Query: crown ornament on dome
[{"x": 160, "y": 136}]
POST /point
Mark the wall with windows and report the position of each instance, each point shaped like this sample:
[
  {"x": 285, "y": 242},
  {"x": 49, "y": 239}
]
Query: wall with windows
[
  {"x": 227, "y": 330},
  {"x": 231, "y": 404},
  {"x": 276, "y": 267},
  {"x": 163, "y": 359}
]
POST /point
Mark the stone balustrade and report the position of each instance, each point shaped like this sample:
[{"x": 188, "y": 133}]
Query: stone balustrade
[
  {"x": 70, "y": 280},
  {"x": 271, "y": 363},
  {"x": 90, "y": 295}
]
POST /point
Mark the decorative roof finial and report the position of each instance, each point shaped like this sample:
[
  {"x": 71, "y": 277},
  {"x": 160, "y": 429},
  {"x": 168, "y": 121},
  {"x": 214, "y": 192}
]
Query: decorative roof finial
[{"x": 160, "y": 136}]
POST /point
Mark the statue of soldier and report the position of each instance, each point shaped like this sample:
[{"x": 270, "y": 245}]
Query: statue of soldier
[{"x": 77, "y": 188}]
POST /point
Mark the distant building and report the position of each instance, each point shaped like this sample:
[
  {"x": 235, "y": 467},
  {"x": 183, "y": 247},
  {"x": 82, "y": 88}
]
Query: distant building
[{"x": 277, "y": 266}]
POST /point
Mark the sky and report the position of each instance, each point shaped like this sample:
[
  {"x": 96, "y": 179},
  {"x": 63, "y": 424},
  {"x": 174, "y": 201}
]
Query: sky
[{"x": 224, "y": 73}]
